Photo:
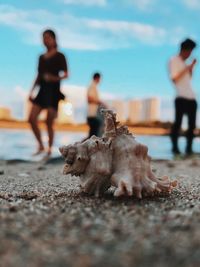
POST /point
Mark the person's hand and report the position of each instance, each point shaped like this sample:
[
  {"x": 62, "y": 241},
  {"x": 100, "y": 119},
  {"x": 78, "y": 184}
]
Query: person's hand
[
  {"x": 194, "y": 62},
  {"x": 30, "y": 97},
  {"x": 191, "y": 66},
  {"x": 49, "y": 77}
]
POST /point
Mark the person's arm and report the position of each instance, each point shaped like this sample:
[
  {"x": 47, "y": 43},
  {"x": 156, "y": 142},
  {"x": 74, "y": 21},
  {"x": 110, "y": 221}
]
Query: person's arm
[
  {"x": 192, "y": 66},
  {"x": 63, "y": 68},
  {"x": 179, "y": 75},
  {"x": 36, "y": 82},
  {"x": 93, "y": 96},
  {"x": 93, "y": 100},
  {"x": 188, "y": 68},
  {"x": 54, "y": 78},
  {"x": 37, "y": 79}
]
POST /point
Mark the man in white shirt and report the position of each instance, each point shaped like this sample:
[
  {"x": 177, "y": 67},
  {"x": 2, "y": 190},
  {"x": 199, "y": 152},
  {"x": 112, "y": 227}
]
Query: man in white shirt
[
  {"x": 185, "y": 102},
  {"x": 94, "y": 102}
]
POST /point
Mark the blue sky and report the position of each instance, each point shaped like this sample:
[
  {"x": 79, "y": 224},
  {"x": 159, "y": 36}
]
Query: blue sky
[{"x": 128, "y": 41}]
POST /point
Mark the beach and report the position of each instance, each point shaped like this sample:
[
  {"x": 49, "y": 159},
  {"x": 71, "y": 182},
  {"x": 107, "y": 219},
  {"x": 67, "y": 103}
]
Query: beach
[
  {"x": 46, "y": 221},
  {"x": 110, "y": 90}
]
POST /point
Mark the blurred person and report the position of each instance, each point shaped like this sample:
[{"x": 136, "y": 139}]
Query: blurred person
[
  {"x": 185, "y": 101},
  {"x": 94, "y": 118},
  {"x": 52, "y": 68}
]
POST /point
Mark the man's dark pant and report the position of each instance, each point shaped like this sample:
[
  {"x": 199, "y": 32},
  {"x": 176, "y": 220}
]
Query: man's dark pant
[
  {"x": 94, "y": 124},
  {"x": 187, "y": 107}
]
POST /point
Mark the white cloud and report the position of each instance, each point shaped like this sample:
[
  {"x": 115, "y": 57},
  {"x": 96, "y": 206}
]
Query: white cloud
[
  {"x": 14, "y": 99},
  {"x": 128, "y": 31},
  {"x": 82, "y": 33},
  {"x": 142, "y": 4},
  {"x": 86, "y": 2},
  {"x": 193, "y": 4},
  {"x": 20, "y": 92}
]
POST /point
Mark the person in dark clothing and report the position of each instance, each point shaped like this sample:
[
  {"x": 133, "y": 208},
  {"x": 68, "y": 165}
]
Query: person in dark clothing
[
  {"x": 94, "y": 119},
  {"x": 52, "y": 68},
  {"x": 185, "y": 102}
]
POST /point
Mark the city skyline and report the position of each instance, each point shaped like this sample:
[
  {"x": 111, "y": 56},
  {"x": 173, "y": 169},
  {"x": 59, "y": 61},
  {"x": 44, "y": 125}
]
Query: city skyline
[
  {"x": 69, "y": 112},
  {"x": 130, "y": 45},
  {"x": 132, "y": 114}
]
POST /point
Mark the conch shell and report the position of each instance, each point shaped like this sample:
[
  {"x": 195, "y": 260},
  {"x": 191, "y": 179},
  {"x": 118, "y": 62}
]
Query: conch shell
[{"x": 116, "y": 159}]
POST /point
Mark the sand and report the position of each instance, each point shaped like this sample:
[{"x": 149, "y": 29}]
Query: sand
[{"x": 46, "y": 221}]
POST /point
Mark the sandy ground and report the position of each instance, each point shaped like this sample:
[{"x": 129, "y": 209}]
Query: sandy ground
[{"x": 45, "y": 221}]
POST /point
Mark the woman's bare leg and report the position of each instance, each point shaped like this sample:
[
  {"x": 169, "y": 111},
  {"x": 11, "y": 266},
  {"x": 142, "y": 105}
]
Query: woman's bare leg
[
  {"x": 51, "y": 115},
  {"x": 33, "y": 117}
]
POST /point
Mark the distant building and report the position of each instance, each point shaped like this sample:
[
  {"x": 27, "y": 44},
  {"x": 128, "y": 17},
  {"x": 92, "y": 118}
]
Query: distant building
[
  {"x": 151, "y": 109},
  {"x": 135, "y": 111},
  {"x": 5, "y": 113},
  {"x": 144, "y": 110},
  {"x": 65, "y": 112},
  {"x": 119, "y": 106}
]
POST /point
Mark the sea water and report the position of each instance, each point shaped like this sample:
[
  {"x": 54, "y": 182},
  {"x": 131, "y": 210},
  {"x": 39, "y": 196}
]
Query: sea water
[{"x": 21, "y": 144}]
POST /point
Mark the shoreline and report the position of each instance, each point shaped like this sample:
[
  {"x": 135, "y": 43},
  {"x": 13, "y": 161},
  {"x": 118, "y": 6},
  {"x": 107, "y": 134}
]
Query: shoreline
[{"x": 23, "y": 125}]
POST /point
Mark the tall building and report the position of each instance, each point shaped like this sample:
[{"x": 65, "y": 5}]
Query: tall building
[
  {"x": 144, "y": 110},
  {"x": 65, "y": 112},
  {"x": 135, "y": 111},
  {"x": 151, "y": 109},
  {"x": 119, "y": 106},
  {"x": 5, "y": 113}
]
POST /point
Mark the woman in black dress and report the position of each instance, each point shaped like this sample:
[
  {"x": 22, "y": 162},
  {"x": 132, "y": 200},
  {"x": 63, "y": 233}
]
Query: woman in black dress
[{"x": 52, "y": 68}]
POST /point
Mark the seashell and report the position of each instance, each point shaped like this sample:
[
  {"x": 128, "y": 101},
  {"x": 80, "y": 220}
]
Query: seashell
[{"x": 115, "y": 159}]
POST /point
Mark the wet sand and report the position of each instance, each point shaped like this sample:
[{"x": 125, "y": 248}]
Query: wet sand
[{"x": 46, "y": 221}]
